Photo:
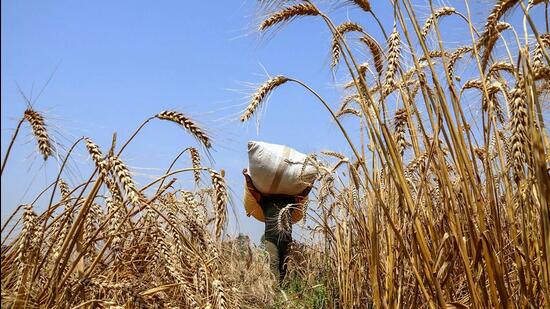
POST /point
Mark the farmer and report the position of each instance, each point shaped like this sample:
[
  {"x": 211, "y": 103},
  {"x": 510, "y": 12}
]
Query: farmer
[{"x": 277, "y": 242}]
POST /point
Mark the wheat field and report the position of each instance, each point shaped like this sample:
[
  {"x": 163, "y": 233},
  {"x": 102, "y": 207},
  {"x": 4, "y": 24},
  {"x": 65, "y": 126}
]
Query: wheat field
[{"x": 429, "y": 207}]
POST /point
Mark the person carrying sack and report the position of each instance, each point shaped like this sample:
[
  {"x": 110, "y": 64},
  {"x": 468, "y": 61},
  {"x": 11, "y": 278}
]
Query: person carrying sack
[{"x": 277, "y": 241}]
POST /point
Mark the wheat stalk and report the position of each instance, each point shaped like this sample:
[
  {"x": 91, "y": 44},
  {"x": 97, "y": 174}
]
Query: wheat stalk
[
  {"x": 457, "y": 54},
  {"x": 219, "y": 294},
  {"x": 261, "y": 94},
  {"x": 333, "y": 154},
  {"x": 196, "y": 162},
  {"x": 394, "y": 52},
  {"x": 443, "y": 11},
  {"x": 400, "y": 122},
  {"x": 126, "y": 180},
  {"x": 539, "y": 52},
  {"x": 348, "y": 111},
  {"x": 501, "y": 66},
  {"x": 489, "y": 42},
  {"x": 98, "y": 158},
  {"x": 220, "y": 193},
  {"x": 92, "y": 221},
  {"x": 288, "y": 13},
  {"x": 284, "y": 223},
  {"x": 376, "y": 51},
  {"x": 354, "y": 97},
  {"x": 341, "y": 30},
  {"x": 64, "y": 188},
  {"x": 431, "y": 54},
  {"x": 39, "y": 131},
  {"x": 113, "y": 225},
  {"x": 518, "y": 108},
  {"x": 24, "y": 249},
  {"x": 363, "y": 4},
  {"x": 499, "y": 9},
  {"x": 188, "y": 124}
]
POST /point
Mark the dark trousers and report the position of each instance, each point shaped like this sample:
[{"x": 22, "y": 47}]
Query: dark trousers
[{"x": 278, "y": 254}]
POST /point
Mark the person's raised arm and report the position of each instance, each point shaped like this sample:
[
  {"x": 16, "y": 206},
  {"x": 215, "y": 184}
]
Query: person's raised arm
[
  {"x": 303, "y": 195},
  {"x": 251, "y": 188}
]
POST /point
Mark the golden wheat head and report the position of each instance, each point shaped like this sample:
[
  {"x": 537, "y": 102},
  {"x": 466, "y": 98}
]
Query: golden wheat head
[
  {"x": 39, "y": 131},
  {"x": 188, "y": 124},
  {"x": 261, "y": 94},
  {"x": 289, "y": 13},
  {"x": 220, "y": 205}
]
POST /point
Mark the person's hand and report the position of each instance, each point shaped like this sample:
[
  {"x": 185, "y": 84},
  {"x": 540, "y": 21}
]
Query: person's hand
[
  {"x": 306, "y": 191},
  {"x": 250, "y": 185},
  {"x": 303, "y": 195}
]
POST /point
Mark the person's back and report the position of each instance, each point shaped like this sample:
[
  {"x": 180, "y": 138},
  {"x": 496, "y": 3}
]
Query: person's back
[{"x": 277, "y": 242}]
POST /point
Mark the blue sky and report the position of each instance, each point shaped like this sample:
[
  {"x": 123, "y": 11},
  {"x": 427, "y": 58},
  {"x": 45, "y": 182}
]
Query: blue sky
[{"x": 118, "y": 62}]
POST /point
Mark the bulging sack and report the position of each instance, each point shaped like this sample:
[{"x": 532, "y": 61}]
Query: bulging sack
[{"x": 278, "y": 169}]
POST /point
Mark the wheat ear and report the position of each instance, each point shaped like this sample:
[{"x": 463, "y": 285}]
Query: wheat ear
[
  {"x": 289, "y": 13},
  {"x": 340, "y": 31},
  {"x": 394, "y": 52},
  {"x": 457, "y": 54},
  {"x": 376, "y": 52},
  {"x": 39, "y": 131},
  {"x": 284, "y": 224},
  {"x": 348, "y": 111},
  {"x": 64, "y": 188},
  {"x": 97, "y": 156},
  {"x": 443, "y": 11},
  {"x": 364, "y": 4},
  {"x": 261, "y": 94},
  {"x": 539, "y": 51},
  {"x": 219, "y": 294},
  {"x": 400, "y": 122},
  {"x": 499, "y": 9},
  {"x": 490, "y": 42},
  {"x": 188, "y": 124},
  {"x": 220, "y": 205},
  {"x": 126, "y": 180},
  {"x": 196, "y": 162},
  {"x": 518, "y": 108}
]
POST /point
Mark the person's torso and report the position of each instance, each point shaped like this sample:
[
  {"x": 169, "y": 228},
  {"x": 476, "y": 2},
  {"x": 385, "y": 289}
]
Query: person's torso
[{"x": 271, "y": 206}]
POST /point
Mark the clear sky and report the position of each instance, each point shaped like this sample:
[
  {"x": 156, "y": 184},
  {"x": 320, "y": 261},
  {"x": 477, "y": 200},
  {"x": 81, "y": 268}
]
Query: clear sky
[{"x": 115, "y": 63}]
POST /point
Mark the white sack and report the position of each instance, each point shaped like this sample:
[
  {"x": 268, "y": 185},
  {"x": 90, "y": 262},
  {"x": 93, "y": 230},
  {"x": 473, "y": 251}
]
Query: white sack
[{"x": 276, "y": 169}]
